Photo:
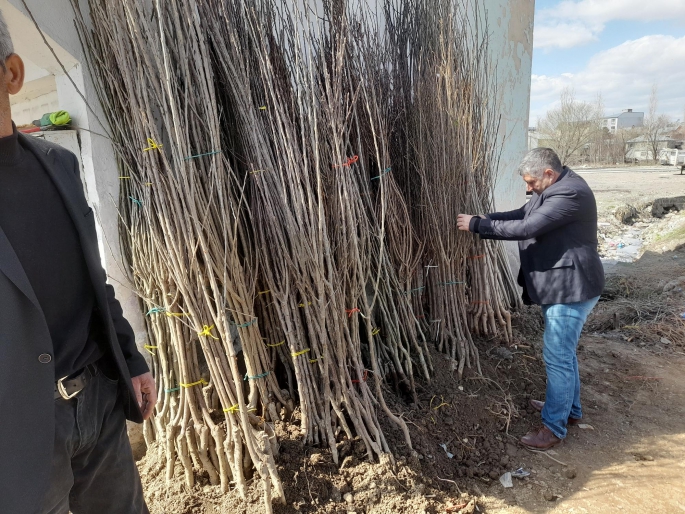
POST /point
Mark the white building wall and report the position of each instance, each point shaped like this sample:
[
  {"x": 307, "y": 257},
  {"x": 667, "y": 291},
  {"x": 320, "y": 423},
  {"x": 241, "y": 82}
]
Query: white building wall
[{"x": 511, "y": 46}]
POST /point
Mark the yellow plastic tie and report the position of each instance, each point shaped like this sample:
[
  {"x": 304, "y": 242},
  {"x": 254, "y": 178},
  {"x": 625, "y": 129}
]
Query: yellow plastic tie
[
  {"x": 264, "y": 292},
  {"x": 233, "y": 409},
  {"x": 201, "y": 381},
  {"x": 275, "y": 345},
  {"x": 313, "y": 360},
  {"x": 304, "y": 305},
  {"x": 149, "y": 348},
  {"x": 375, "y": 331},
  {"x": 123, "y": 178},
  {"x": 153, "y": 145},
  {"x": 262, "y": 108},
  {"x": 297, "y": 354},
  {"x": 207, "y": 331}
]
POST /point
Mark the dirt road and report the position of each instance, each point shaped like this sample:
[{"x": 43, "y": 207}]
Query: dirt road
[{"x": 632, "y": 460}]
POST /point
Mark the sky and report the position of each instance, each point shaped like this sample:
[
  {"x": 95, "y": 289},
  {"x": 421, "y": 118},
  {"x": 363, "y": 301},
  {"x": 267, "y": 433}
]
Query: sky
[{"x": 616, "y": 48}]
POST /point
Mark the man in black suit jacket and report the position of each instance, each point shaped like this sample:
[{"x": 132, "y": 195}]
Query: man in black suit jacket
[
  {"x": 70, "y": 372},
  {"x": 560, "y": 270}
]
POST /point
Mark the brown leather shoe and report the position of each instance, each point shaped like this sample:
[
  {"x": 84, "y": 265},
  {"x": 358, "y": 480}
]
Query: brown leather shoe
[
  {"x": 538, "y": 405},
  {"x": 540, "y": 439}
]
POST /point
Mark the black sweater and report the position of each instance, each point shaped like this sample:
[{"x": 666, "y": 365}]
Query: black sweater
[{"x": 39, "y": 228}]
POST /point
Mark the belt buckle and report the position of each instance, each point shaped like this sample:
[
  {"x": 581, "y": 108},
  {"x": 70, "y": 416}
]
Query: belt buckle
[{"x": 63, "y": 391}]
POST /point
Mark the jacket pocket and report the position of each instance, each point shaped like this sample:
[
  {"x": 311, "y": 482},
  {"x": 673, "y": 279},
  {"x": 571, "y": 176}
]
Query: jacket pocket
[{"x": 566, "y": 262}]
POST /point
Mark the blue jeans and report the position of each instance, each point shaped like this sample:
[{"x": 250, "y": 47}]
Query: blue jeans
[{"x": 563, "y": 324}]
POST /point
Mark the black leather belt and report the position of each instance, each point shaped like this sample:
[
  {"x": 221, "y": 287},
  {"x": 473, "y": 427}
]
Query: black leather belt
[{"x": 68, "y": 387}]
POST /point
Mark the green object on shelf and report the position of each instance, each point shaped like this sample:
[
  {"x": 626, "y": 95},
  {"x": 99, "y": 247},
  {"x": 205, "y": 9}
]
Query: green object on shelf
[
  {"x": 55, "y": 119},
  {"x": 60, "y": 118}
]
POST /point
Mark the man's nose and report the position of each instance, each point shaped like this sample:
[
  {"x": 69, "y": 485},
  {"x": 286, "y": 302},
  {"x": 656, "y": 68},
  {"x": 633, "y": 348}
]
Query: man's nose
[{"x": 529, "y": 188}]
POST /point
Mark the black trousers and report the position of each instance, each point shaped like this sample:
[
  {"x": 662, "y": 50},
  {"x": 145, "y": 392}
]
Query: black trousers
[{"x": 93, "y": 471}]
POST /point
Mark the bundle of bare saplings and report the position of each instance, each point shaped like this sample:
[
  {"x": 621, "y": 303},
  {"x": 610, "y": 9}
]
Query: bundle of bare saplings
[{"x": 291, "y": 175}]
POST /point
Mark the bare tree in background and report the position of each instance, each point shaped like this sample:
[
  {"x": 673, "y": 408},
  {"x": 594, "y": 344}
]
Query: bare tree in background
[
  {"x": 572, "y": 127},
  {"x": 618, "y": 145},
  {"x": 655, "y": 124}
]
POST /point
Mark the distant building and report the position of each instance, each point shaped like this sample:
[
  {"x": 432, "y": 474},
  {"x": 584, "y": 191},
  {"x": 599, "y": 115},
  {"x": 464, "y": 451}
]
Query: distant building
[
  {"x": 640, "y": 148},
  {"x": 672, "y": 157},
  {"x": 625, "y": 120},
  {"x": 536, "y": 139}
]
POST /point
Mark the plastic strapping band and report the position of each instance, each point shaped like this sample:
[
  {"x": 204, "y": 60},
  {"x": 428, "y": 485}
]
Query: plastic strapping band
[
  {"x": 248, "y": 324},
  {"x": 201, "y": 381},
  {"x": 256, "y": 377},
  {"x": 207, "y": 331},
  {"x": 153, "y": 145},
  {"x": 387, "y": 170},
  {"x": 297, "y": 354}
]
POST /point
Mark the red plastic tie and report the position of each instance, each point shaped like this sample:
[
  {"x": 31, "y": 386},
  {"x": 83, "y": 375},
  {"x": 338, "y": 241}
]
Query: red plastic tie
[
  {"x": 366, "y": 375},
  {"x": 349, "y": 162}
]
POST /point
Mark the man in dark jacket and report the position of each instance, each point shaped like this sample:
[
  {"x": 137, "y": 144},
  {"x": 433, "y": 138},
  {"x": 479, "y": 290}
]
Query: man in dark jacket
[
  {"x": 560, "y": 270},
  {"x": 67, "y": 355}
]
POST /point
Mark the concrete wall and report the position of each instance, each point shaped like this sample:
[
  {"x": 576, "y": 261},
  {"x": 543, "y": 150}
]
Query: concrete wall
[{"x": 510, "y": 25}]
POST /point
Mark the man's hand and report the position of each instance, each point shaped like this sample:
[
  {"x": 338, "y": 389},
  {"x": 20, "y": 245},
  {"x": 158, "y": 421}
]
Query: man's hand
[
  {"x": 463, "y": 221},
  {"x": 146, "y": 393}
]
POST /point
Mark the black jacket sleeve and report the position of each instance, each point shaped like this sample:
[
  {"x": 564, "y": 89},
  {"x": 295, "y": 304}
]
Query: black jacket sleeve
[
  {"x": 125, "y": 335},
  {"x": 559, "y": 208},
  {"x": 516, "y": 214}
]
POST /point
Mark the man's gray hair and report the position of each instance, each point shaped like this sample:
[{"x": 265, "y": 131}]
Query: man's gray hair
[
  {"x": 6, "y": 46},
  {"x": 538, "y": 160}
]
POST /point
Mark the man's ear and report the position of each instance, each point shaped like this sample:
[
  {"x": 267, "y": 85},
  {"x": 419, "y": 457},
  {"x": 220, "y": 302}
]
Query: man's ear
[
  {"x": 14, "y": 74},
  {"x": 549, "y": 172}
]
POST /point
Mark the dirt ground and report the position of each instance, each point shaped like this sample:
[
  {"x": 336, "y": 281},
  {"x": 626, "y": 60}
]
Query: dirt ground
[{"x": 629, "y": 457}]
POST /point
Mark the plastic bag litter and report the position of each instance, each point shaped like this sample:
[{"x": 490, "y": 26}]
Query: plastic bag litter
[
  {"x": 444, "y": 447},
  {"x": 520, "y": 473}
]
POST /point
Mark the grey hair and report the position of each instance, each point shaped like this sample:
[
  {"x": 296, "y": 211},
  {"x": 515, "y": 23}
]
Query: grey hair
[
  {"x": 6, "y": 46},
  {"x": 538, "y": 160}
]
